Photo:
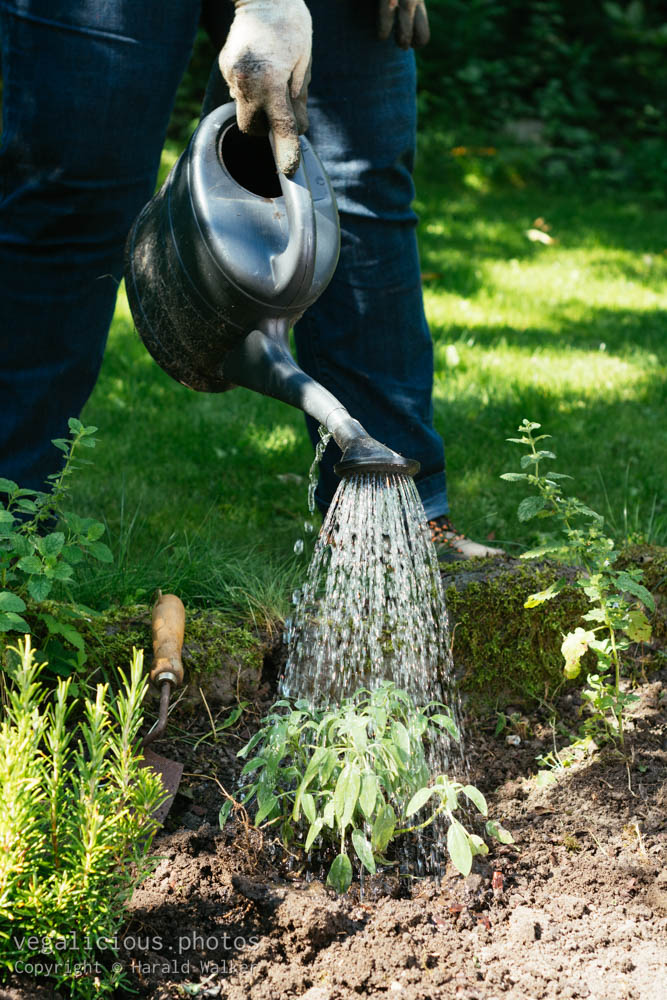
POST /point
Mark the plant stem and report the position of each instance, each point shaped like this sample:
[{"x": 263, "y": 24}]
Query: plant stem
[{"x": 618, "y": 712}]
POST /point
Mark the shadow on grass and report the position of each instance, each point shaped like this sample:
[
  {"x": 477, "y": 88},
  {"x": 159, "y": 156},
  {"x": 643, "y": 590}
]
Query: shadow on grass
[
  {"x": 461, "y": 228},
  {"x": 615, "y": 452},
  {"x": 623, "y": 332}
]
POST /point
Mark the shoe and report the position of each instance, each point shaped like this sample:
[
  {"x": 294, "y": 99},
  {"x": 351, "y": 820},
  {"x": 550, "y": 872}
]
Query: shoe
[{"x": 452, "y": 546}]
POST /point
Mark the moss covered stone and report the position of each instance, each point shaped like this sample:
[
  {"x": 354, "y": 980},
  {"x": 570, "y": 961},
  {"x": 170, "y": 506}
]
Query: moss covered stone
[
  {"x": 505, "y": 652},
  {"x": 220, "y": 656}
]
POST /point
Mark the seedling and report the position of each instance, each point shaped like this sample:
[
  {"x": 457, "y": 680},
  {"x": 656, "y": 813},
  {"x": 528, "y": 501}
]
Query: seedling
[{"x": 617, "y": 598}]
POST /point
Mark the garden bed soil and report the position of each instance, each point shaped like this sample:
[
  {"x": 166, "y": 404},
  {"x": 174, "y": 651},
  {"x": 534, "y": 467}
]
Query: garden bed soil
[{"x": 577, "y": 908}]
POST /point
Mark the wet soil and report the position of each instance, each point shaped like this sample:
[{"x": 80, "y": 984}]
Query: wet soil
[{"x": 577, "y": 908}]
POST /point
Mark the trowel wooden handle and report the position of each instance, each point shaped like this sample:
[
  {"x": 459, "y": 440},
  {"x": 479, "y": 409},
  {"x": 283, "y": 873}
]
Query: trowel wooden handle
[{"x": 168, "y": 631}]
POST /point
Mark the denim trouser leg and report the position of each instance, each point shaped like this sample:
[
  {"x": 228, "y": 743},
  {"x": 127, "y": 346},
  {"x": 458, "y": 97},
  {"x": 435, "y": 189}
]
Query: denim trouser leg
[
  {"x": 366, "y": 338},
  {"x": 88, "y": 87},
  {"x": 88, "y": 90}
]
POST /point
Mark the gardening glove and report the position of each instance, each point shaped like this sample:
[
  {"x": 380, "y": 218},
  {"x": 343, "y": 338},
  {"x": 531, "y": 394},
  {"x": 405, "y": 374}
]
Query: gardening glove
[
  {"x": 266, "y": 64},
  {"x": 407, "y": 19}
]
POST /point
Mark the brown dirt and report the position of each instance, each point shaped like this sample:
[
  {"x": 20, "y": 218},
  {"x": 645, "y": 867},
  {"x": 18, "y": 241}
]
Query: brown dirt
[{"x": 577, "y": 909}]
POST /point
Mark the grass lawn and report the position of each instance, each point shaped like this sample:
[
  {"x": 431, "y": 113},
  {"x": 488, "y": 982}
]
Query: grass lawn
[{"x": 206, "y": 495}]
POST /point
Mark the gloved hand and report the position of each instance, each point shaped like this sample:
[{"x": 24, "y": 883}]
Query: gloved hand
[
  {"x": 409, "y": 20},
  {"x": 266, "y": 63}
]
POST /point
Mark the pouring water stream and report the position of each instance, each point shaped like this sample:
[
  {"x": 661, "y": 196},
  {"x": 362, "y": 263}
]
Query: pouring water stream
[{"x": 372, "y": 606}]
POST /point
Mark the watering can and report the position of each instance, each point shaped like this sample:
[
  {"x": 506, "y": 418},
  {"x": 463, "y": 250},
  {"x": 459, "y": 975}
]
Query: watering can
[{"x": 224, "y": 259}]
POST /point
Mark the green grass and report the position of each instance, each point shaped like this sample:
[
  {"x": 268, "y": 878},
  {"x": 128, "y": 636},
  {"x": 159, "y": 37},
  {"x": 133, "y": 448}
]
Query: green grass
[
  {"x": 572, "y": 334},
  {"x": 189, "y": 485}
]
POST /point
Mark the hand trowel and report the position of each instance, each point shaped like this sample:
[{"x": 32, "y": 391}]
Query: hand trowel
[{"x": 166, "y": 672}]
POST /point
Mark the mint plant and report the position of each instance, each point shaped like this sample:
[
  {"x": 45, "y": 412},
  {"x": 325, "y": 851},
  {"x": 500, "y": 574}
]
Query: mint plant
[
  {"x": 76, "y": 823},
  {"x": 617, "y": 598},
  {"x": 40, "y": 544},
  {"x": 354, "y": 777}
]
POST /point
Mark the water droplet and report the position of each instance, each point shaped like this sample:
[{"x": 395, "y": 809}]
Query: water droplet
[
  {"x": 298, "y": 546},
  {"x": 308, "y": 527}
]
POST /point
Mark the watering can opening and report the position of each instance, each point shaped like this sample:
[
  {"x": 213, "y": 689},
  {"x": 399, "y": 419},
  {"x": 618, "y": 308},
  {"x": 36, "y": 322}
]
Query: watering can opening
[{"x": 249, "y": 161}]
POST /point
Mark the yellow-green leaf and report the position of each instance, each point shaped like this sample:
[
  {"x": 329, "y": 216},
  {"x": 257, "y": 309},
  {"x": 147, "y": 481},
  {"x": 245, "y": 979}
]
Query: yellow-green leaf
[{"x": 638, "y": 628}]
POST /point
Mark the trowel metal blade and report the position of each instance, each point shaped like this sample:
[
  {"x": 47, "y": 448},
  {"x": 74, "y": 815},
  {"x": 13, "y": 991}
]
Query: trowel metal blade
[{"x": 170, "y": 773}]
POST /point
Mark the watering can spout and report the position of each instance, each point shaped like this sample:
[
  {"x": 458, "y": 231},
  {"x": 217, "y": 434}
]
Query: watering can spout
[{"x": 263, "y": 362}]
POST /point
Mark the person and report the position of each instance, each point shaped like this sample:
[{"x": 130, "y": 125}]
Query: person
[{"x": 88, "y": 90}]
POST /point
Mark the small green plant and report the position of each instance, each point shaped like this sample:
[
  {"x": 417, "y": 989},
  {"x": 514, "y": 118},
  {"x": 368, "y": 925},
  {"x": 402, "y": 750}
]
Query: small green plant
[
  {"x": 75, "y": 824},
  {"x": 617, "y": 597},
  {"x": 350, "y": 778},
  {"x": 34, "y": 557}
]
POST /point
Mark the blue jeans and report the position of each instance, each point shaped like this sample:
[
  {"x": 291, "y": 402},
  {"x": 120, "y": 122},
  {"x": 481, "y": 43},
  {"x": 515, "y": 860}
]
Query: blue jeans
[{"x": 88, "y": 90}]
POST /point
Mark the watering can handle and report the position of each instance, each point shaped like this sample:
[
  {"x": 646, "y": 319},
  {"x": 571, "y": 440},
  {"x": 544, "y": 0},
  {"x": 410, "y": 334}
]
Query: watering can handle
[{"x": 293, "y": 269}]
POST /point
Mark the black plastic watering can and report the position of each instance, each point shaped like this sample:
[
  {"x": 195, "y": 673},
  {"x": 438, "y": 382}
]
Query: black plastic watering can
[{"x": 225, "y": 259}]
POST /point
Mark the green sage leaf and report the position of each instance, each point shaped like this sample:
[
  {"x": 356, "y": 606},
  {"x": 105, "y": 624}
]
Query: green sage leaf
[
  {"x": 476, "y": 798},
  {"x": 477, "y": 844},
  {"x": 459, "y": 848},
  {"x": 328, "y": 814},
  {"x": 252, "y": 743},
  {"x": 314, "y": 832},
  {"x": 401, "y": 738},
  {"x": 265, "y": 809},
  {"x": 327, "y": 764},
  {"x": 446, "y": 722},
  {"x": 383, "y": 829},
  {"x": 419, "y": 800},
  {"x": 252, "y": 765},
  {"x": 346, "y": 794},
  {"x": 308, "y": 804},
  {"x": 369, "y": 793},
  {"x": 362, "y": 849},
  {"x": 340, "y": 874},
  {"x": 224, "y": 812}
]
